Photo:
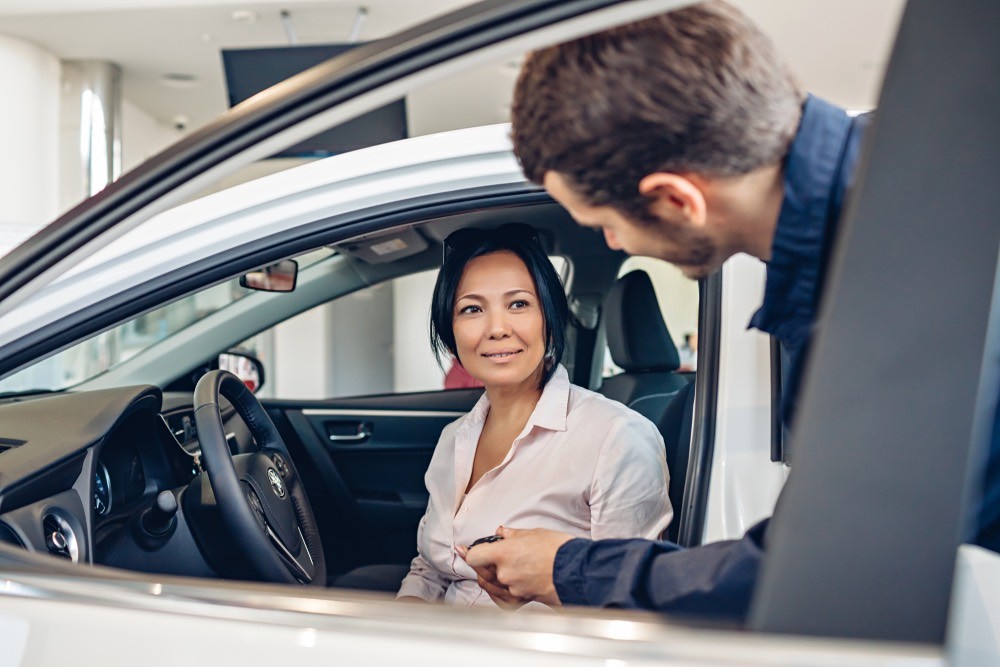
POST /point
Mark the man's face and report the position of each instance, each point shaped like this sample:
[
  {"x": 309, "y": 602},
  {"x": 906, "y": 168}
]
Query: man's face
[{"x": 692, "y": 249}]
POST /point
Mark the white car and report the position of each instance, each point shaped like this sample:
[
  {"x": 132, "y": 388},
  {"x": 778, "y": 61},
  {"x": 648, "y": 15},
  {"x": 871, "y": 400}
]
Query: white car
[{"x": 115, "y": 544}]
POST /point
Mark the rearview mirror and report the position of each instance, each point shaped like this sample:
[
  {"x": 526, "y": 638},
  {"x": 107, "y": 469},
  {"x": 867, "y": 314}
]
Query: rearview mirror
[{"x": 277, "y": 277}]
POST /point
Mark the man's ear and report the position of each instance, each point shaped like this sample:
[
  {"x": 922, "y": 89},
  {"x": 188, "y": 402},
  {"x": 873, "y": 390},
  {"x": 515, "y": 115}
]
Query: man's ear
[{"x": 674, "y": 197}]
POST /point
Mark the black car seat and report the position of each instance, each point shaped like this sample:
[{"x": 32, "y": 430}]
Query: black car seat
[
  {"x": 641, "y": 346},
  {"x": 675, "y": 427}
]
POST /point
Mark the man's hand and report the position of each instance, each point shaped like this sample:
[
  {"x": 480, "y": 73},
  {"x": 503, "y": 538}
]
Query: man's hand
[{"x": 518, "y": 568}]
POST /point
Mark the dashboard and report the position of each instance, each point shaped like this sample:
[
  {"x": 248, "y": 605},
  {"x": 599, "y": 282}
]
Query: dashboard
[{"x": 79, "y": 470}]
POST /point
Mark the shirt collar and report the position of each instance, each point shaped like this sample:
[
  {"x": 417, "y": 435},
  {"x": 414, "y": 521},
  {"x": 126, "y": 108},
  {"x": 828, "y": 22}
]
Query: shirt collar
[
  {"x": 553, "y": 405},
  {"x": 811, "y": 179},
  {"x": 550, "y": 412}
]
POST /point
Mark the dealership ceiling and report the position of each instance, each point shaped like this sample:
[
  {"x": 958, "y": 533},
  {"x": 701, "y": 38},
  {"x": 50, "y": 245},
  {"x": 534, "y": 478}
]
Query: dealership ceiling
[{"x": 170, "y": 50}]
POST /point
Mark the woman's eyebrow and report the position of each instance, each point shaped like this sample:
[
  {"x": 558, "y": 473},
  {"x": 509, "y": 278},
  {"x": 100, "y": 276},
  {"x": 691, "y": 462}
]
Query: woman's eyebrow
[{"x": 506, "y": 294}]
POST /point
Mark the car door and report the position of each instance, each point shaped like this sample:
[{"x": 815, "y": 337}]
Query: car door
[{"x": 363, "y": 461}]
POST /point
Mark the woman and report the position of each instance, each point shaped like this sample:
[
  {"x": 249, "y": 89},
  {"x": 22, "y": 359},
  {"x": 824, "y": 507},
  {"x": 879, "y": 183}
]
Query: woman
[{"x": 535, "y": 451}]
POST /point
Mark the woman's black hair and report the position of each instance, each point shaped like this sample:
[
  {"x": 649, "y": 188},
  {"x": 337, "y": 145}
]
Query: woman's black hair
[{"x": 467, "y": 244}]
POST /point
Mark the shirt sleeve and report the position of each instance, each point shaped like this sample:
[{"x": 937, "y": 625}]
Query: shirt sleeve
[
  {"x": 713, "y": 581},
  {"x": 629, "y": 493},
  {"x": 424, "y": 581}
]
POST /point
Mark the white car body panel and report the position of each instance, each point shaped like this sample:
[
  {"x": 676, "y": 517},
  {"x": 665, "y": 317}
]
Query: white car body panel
[
  {"x": 219, "y": 624},
  {"x": 744, "y": 482}
]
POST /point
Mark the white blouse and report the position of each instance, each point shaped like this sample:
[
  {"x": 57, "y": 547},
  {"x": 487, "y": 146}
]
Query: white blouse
[{"x": 584, "y": 465}]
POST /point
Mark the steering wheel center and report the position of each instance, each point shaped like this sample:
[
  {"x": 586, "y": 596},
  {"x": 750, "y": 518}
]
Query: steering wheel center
[{"x": 259, "y": 496}]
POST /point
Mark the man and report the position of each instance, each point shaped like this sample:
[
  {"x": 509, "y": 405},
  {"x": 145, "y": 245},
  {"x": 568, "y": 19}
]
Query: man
[
  {"x": 689, "y": 353},
  {"x": 683, "y": 137}
]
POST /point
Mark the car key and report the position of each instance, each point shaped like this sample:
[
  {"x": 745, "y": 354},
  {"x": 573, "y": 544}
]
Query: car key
[{"x": 489, "y": 539}]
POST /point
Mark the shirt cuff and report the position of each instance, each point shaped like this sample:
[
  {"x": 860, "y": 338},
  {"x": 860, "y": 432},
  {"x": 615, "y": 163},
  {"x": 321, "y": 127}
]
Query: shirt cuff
[
  {"x": 414, "y": 586},
  {"x": 567, "y": 572}
]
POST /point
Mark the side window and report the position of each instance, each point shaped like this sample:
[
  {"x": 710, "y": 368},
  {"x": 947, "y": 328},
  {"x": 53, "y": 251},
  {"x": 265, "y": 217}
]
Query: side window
[
  {"x": 678, "y": 300},
  {"x": 373, "y": 341}
]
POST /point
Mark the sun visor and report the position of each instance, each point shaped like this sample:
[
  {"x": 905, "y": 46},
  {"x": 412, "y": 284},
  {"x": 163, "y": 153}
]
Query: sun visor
[{"x": 383, "y": 248}]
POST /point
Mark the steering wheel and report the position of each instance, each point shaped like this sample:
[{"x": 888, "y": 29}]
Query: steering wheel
[{"x": 259, "y": 496}]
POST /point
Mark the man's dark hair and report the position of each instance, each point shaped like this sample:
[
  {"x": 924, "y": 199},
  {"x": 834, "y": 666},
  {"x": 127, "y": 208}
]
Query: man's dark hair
[
  {"x": 549, "y": 288},
  {"x": 697, "y": 90}
]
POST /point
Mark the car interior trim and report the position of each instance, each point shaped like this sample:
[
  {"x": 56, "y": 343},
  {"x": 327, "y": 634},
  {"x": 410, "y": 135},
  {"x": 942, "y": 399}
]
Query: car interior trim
[
  {"x": 778, "y": 452},
  {"x": 347, "y": 412},
  {"x": 691, "y": 530}
]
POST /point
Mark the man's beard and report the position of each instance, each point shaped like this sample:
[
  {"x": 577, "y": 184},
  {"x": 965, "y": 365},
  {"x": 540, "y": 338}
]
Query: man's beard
[{"x": 697, "y": 254}]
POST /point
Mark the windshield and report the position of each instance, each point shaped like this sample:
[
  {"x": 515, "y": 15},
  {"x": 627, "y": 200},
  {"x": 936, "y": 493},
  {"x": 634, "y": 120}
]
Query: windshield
[{"x": 98, "y": 354}]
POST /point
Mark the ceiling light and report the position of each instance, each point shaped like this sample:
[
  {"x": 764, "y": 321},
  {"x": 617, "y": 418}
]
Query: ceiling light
[
  {"x": 179, "y": 80},
  {"x": 245, "y": 16}
]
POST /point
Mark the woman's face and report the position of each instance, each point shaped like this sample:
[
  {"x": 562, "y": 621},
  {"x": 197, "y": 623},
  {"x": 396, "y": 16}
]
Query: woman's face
[{"x": 498, "y": 323}]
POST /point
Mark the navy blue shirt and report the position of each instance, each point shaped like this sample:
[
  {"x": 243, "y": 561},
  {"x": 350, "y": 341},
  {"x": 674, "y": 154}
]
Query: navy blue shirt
[
  {"x": 717, "y": 579},
  {"x": 818, "y": 172}
]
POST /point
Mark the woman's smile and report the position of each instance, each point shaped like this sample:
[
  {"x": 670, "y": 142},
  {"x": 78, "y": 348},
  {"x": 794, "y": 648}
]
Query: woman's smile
[{"x": 501, "y": 357}]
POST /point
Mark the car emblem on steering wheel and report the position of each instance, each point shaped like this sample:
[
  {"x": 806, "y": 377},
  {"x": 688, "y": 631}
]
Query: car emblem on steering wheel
[{"x": 277, "y": 485}]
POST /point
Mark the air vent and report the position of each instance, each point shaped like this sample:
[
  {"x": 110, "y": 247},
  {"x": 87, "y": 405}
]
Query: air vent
[
  {"x": 60, "y": 539},
  {"x": 7, "y": 443},
  {"x": 181, "y": 426},
  {"x": 8, "y": 536}
]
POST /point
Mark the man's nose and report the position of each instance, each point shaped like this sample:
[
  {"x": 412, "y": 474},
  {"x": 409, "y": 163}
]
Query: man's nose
[{"x": 611, "y": 240}]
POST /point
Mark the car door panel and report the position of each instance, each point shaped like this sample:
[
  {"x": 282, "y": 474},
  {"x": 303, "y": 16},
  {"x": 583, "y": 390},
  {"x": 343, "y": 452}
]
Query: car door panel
[{"x": 363, "y": 462}]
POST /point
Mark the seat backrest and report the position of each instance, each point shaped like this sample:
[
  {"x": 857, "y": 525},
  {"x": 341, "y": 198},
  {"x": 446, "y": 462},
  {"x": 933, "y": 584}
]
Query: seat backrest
[{"x": 641, "y": 346}]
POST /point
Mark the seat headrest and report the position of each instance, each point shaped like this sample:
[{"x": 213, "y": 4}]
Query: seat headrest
[{"x": 637, "y": 335}]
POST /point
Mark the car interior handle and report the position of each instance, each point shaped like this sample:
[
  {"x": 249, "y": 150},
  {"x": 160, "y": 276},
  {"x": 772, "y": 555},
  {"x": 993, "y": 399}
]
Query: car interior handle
[{"x": 364, "y": 432}]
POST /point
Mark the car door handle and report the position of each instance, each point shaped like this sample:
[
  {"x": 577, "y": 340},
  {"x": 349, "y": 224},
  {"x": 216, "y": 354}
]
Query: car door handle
[{"x": 363, "y": 432}]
